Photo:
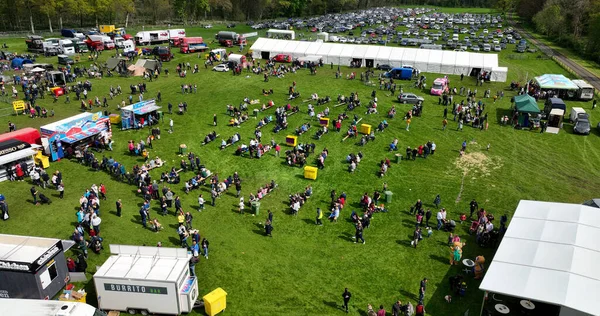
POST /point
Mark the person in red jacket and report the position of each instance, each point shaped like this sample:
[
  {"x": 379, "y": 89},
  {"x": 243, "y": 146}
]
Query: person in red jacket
[{"x": 102, "y": 191}]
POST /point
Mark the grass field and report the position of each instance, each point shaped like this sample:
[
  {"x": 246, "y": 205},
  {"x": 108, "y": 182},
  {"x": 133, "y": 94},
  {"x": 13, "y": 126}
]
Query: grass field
[{"x": 304, "y": 268}]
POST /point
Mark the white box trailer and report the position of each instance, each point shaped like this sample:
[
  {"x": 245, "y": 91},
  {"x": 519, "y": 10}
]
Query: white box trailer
[
  {"x": 146, "y": 280},
  {"x": 25, "y": 307},
  {"x": 283, "y": 34},
  {"x": 151, "y": 37}
]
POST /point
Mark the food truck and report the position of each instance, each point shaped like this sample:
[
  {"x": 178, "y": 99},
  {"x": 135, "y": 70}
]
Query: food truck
[
  {"x": 146, "y": 280},
  {"x": 24, "y": 307},
  {"x": 32, "y": 267},
  {"x": 63, "y": 137},
  {"x": 17, "y": 147},
  {"x": 139, "y": 114}
]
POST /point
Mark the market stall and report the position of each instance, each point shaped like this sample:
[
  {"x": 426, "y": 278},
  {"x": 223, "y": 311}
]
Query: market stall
[
  {"x": 62, "y": 138},
  {"x": 139, "y": 114},
  {"x": 557, "y": 86},
  {"x": 32, "y": 267},
  {"x": 529, "y": 113}
]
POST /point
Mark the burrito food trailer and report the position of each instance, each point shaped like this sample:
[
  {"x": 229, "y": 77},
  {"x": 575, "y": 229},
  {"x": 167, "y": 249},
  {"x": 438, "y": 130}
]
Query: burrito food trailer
[
  {"x": 32, "y": 267},
  {"x": 82, "y": 129},
  {"x": 146, "y": 280},
  {"x": 139, "y": 114}
]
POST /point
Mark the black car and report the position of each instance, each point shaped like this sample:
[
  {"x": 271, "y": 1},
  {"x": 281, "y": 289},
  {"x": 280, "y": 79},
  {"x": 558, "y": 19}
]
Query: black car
[{"x": 384, "y": 67}]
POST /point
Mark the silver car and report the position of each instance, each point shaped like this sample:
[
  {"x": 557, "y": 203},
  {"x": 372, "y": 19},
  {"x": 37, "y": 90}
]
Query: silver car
[{"x": 410, "y": 98}]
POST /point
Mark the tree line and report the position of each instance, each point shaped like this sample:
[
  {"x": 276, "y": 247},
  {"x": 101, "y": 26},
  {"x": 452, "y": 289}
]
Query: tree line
[
  {"x": 569, "y": 23},
  {"x": 35, "y": 15}
]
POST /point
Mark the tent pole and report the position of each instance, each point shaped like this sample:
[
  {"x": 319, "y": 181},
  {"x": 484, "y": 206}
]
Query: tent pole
[{"x": 482, "y": 303}]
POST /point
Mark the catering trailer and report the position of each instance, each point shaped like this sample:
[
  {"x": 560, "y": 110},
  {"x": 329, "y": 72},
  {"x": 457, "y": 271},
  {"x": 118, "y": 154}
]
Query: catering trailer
[
  {"x": 32, "y": 267},
  {"x": 146, "y": 280},
  {"x": 192, "y": 45},
  {"x": 24, "y": 307}
]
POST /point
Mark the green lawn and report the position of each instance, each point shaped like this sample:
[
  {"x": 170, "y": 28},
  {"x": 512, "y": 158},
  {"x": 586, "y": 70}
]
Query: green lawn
[{"x": 304, "y": 268}]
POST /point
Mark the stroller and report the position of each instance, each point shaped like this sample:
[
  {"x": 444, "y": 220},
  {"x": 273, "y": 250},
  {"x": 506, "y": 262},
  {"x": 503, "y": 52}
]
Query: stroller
[
  {"x": 44, "y": 199},
  {"x": 96, "y": 244},
  {"x": 449, "y": 226}
]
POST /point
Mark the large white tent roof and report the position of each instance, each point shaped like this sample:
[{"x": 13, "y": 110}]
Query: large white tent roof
[
  {"x": 550, "y": 253},
  {"x": 426, "y": 60}
]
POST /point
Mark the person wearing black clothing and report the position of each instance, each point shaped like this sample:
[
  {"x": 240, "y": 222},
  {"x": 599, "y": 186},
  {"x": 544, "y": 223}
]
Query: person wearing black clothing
[
  {"x": 4, "y": 209},
  {"x": 270, "y": 217},
  {"x": 473, "y": 207},
  {"x": 418, "y": 206},
  {"x": 34, "y": 194},
  {"x": 268, "y": 228},
  {"x": 427, "y": 217},
  {"x": 177, "y": 204},
  {"x": 438, "y": 200},
  {"x": 346, "y": 296},
  {"x": 422, "y": 288},
  {"x": 119, "y": 205},
  {"x": 358, "y": 235},
  {"x": 238, "y": 187},
  {"x": 397, "y": 309}
]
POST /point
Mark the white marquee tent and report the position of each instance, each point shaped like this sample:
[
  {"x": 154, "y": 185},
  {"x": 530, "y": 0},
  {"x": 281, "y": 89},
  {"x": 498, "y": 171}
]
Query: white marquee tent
[
  {"x": 426, "y": 60},
  {"x": 550, "y": 254}
]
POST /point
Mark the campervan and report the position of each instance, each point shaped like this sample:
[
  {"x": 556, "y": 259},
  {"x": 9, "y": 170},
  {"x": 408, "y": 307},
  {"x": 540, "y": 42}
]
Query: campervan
[{"x": 128, "y": 46}]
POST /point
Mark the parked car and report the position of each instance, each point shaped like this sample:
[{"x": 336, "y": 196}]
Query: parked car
[
  {"x": 582, "y": 126},
  {"x": 410, "y": 98},
  {"x": 221, "y": 68},
  {"x": 283, "y": 58},
  {"x": 208, "y": 26},
  {"x": 385, "y": 67}
]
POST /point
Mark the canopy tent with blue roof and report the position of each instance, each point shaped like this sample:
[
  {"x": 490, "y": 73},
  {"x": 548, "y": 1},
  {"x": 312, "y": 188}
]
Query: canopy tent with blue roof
[{"x": 559, "y": 82}]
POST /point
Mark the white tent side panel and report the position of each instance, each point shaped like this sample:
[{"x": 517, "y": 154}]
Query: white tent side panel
[
  {"x": 290, "y": 48},
  {"x": 383, "y": 56},
  {"x": 313, "y": 48},
  {"x": 372, "y": 52},
  {"x": 476, "y": 60},
  {"x": 324, "y": 51},
  {"x": 434, "y": 64},
  {"x": 448, "y": 62},
  {"x": 490, "y": 61},
  {"x": 499, "y": 74},
  {"x": 346, "y": 54},
  {"x": 408, "y": 57},
  {"x": 462, "y": 65},
  {"x": 359, "y": 52},
  {"x": 279, "y": 47},
  {"x": 257, "y": 47},
  {"x": 334, "y": 53},
  {"x": 300, "y": 49},
  {"x": 422, "y": 59}
]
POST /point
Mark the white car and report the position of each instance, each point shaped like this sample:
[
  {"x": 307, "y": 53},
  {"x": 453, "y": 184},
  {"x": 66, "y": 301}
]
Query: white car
[
  {"x": 221, "y": 68},
  {"x": 485, "y": 31},
  {"x": 343, "y": 40},
  {"x": 208, "y": 26},
  {"x": 497, "y": 48}
]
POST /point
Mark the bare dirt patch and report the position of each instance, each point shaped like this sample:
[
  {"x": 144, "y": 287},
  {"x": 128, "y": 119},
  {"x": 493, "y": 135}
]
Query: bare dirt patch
[{"x": 477, "y": 164}]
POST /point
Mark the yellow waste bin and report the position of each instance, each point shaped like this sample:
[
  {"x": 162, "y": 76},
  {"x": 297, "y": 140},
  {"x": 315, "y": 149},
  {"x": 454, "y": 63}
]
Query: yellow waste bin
[
  {"x": 215, "y": 302},
  {"x": 39, "y": 158},
  {"x": 115, "y": 118},
  {"x": 291, "y": 140},
  {"x": 365, "y": 129},
  {"x": 310, "y": 172},
  {"x": 324, "y": 121}
]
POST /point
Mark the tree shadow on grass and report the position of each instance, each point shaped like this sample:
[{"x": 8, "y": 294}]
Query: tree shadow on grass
[{"x": 440, "y": 259}]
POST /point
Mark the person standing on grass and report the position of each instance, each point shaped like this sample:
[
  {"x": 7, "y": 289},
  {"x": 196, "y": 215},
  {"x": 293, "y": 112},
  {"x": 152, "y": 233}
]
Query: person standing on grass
[
  {"x": 473, "y": 206},
  {"x": 4, "y": 209},
  {"x": 464, "y": 146},
  {"x": 427, "y": 217},
  {"x": 144, "y": 215},
  {"x": 61, "y": 190},
  {"x": 102, "y": 190},
  {"x": 407, "y": 124},
  {"x": 422, "y": 288},
  {"x": 119, "y": 205},
  {"x": 319, "y": 217},
  {"x": 171, "y": 125},
  {"x": 34, "y": 194},
  {"x": 397, "y": 309},
  {"x": 444, "y": 124},
  {"x": 268, "y": 227},
  {"x": 200, "y": 203},
  {"x": 178, "y": 204},
  {"x": 381, "y": 311},
  {"x": 238, "y": 187},
  {"x": 214, "y": 119},
  {"x": 213, "y": 196},
  {"x": 358, "y": 235},
  {"x": 188, "y": 220},
  {"x": 270, "y": 216},
  {"x": 241, "y": 205},
  {"x": 204, "y": 245},
  {"x": 346, "y": 296},
  {"x": 416, "y": 237},
  {"x": 96, "y": 220}
]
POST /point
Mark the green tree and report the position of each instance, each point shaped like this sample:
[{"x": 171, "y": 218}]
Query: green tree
[
  {"x": 48, "y": 8},
  {"x": 550, "y": 21}
]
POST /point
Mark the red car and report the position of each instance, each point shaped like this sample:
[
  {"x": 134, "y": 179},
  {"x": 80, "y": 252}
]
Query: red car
[{"x": 282, "y": 58}]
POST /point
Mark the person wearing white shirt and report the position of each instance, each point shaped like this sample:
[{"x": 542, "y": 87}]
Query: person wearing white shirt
[
  {"x": 200, "y": 203},
  {"x": 96, "y": 220},
  {"x": 441, "y": 218}
]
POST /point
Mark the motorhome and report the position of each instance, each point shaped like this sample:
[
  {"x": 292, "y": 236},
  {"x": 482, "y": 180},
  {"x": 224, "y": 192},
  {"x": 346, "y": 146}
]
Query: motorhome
[
  {"x": 128, "y": 46},
  {"x": 108, "y": 42}
]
